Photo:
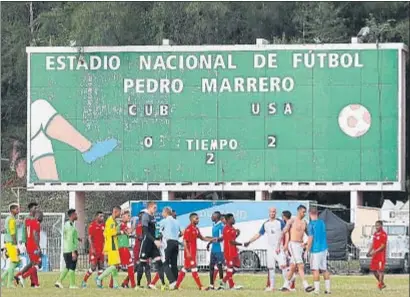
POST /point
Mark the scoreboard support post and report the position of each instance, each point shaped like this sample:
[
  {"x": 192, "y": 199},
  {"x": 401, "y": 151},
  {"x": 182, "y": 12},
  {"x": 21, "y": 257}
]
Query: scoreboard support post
[
  {"x": 167, "y": 195},
  {"x": 261, "y": 195},
  {"x": 356, "y": 199},
  {"x": 77, "y": 202}
]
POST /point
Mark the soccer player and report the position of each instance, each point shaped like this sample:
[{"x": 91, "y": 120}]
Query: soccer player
[
  {"x": 150, "y": 245},
  {"x": 286, "y": 216},
  {"x": 294, "y": 231},
  {"x": 317, "y": 246},
  {"x": 191, "y": 235},
  {"x": 124, "y": 249},
  {"x": 378, "y": 253},
  {"x": 10, "y": 239},
  {"x": 272, "y": 228},
  {"x": 217, "y": 257},
  {"x": 111, "y": 248},
  {"x": 31, "y": 235},
  {"x": 96, "y": 242},
  {"x": 231, "y": 251},
  {"x": 70, "y": 253}
]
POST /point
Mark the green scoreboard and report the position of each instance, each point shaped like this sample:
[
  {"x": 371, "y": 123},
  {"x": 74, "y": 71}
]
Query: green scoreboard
[{"x": 197, "y": 118}]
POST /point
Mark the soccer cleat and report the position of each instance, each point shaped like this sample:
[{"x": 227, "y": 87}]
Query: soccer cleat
[
  {"x": 292, "y": 285},
  {"x": 124, "y": 286},
  {"x": 221, "y": 288},
  {"x": 269, "y": 289},
  {"x": 285, "y": 289},
  {"x": 98, "y": 283},
  {"x": 203, "y": 289},
  {"x": 309, "y": 289},
  {"x": 152, "y": 287},
  {"x": 328, "y": 292},
  {"x": 83, "y": 284},
  {"x": 58, "y": 285},
  {"x": 211, "y": 288},
  {"x": 36, "y": 287}
]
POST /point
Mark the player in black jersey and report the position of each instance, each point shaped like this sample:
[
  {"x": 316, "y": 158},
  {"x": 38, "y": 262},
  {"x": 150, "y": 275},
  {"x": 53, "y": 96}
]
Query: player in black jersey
[{"x": 150, "y": 245}]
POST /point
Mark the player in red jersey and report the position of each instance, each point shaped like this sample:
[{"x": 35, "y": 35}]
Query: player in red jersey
[
  {"x": 231, "y": 251},
  {"x": 191, "y": 234},
  {"x": 124, "y": 245},
  {"x": 96, "y": 242},
  {"x": 32, "y": 225},
  {"x": 378, "y": 253}
]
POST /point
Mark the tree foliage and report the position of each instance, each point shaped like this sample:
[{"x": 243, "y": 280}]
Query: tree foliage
[{"x": 192, "y": 23}]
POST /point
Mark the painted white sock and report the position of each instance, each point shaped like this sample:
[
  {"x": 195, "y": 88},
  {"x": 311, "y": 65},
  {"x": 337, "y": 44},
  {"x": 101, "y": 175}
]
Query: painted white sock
[
  {"x": 327, "y": 285},
  {"x": 305, "y": 284},
  {"x": 317, "y": 286},
  {"x": 272, "y": 278}
]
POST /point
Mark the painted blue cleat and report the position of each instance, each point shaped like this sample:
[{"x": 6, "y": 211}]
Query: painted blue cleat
[{"x": 99, "y": 150}]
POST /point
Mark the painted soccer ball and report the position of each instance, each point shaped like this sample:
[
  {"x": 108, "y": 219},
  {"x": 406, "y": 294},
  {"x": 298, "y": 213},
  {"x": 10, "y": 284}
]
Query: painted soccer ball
[{"x": 355, "y": 120}]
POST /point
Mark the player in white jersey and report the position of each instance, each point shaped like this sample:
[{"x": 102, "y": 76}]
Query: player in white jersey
[{"x": 272, "y": 228}]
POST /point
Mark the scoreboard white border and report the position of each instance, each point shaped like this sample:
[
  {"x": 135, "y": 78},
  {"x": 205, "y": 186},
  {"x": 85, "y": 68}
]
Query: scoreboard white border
[{"x": 398, "y": 185}]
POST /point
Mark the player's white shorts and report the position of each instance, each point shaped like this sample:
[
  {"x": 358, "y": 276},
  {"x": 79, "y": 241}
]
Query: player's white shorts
[
  {"x": 296, "y": 252},
  {"x": 41, "y": 114},
  {"x": 318, "y": 261},
  {"x": 272, "y": 258}
]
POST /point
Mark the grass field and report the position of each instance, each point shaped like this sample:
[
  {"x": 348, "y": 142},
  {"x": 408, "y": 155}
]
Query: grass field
[{"x": 343, "y": 286}]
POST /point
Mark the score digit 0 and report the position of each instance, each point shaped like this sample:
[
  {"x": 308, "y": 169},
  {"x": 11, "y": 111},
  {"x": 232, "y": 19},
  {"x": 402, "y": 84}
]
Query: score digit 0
[{"x": 271, "y": 141}]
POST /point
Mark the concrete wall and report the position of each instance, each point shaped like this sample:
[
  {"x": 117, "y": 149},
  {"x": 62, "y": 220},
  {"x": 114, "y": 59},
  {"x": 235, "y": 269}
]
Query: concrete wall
[{"x": 364, "y": 216}]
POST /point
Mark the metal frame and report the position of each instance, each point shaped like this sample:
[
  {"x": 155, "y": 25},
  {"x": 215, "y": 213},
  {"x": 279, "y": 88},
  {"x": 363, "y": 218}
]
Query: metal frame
[{"x": 398, "y": 185}]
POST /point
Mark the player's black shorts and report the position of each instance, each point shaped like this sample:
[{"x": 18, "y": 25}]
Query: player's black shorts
[
  {"x": 216, "y": 258},
  {"x": 70, "y": 263},
  {"x": 148, "y": 250}
]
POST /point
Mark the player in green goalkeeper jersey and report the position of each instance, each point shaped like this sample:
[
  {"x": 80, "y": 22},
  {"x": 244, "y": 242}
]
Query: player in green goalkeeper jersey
[{"x": 70, "y": 251}]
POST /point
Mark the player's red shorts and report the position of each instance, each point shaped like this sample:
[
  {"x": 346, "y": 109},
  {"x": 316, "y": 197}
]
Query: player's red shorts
[
  {"x": 33, "y": 256},
  {"x": 96, "y": 258},
  {"x": 233, "y": 262},
  {"x": 125, "y": 256},
  {"x": 190, "y": 263},
  {"x": 377, "y": 263}
]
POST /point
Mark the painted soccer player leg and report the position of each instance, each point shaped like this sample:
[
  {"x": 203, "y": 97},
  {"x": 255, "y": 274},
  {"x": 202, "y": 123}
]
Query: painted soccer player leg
[{"x": 46, "y": 124}]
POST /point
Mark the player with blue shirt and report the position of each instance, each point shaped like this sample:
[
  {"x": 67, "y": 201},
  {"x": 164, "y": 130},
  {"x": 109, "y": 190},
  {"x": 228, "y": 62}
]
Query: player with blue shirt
[
  {"x": 317, "y": 246},
  {"x": 217, "y": 257},
  {"x": 272, "y": 228}
]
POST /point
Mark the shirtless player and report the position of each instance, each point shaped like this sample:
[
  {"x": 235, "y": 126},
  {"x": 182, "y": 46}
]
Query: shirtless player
[{"x": 295, "y": 245}]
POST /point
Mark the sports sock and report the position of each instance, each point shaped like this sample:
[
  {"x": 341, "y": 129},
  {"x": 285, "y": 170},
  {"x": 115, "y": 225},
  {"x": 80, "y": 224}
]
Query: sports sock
[
  {"x": 271, "y": 278},
  {"x": 34, "y": 277},
  {"x": 327, "y": 285},
  {"x": 106, "y": 272},
  {"x": 305, "y": 284},
  {"x": 71, "y": 274},
  {"x": 155, "y": 279},
  {"x": 63, "y": 275},
  {"x": 221, "y": 271},
  {"x": 87, "y": 275},
  {"x": 147, "y": 270},
  {"x": 131, "y": 275},
  {"x": 114, "y": 276},
  {"x": 181, "y": 276},
  {"x": 317, "y": 286},
  {"x": 196, "y": 278},
  {"x": 10, "y": 275}
]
